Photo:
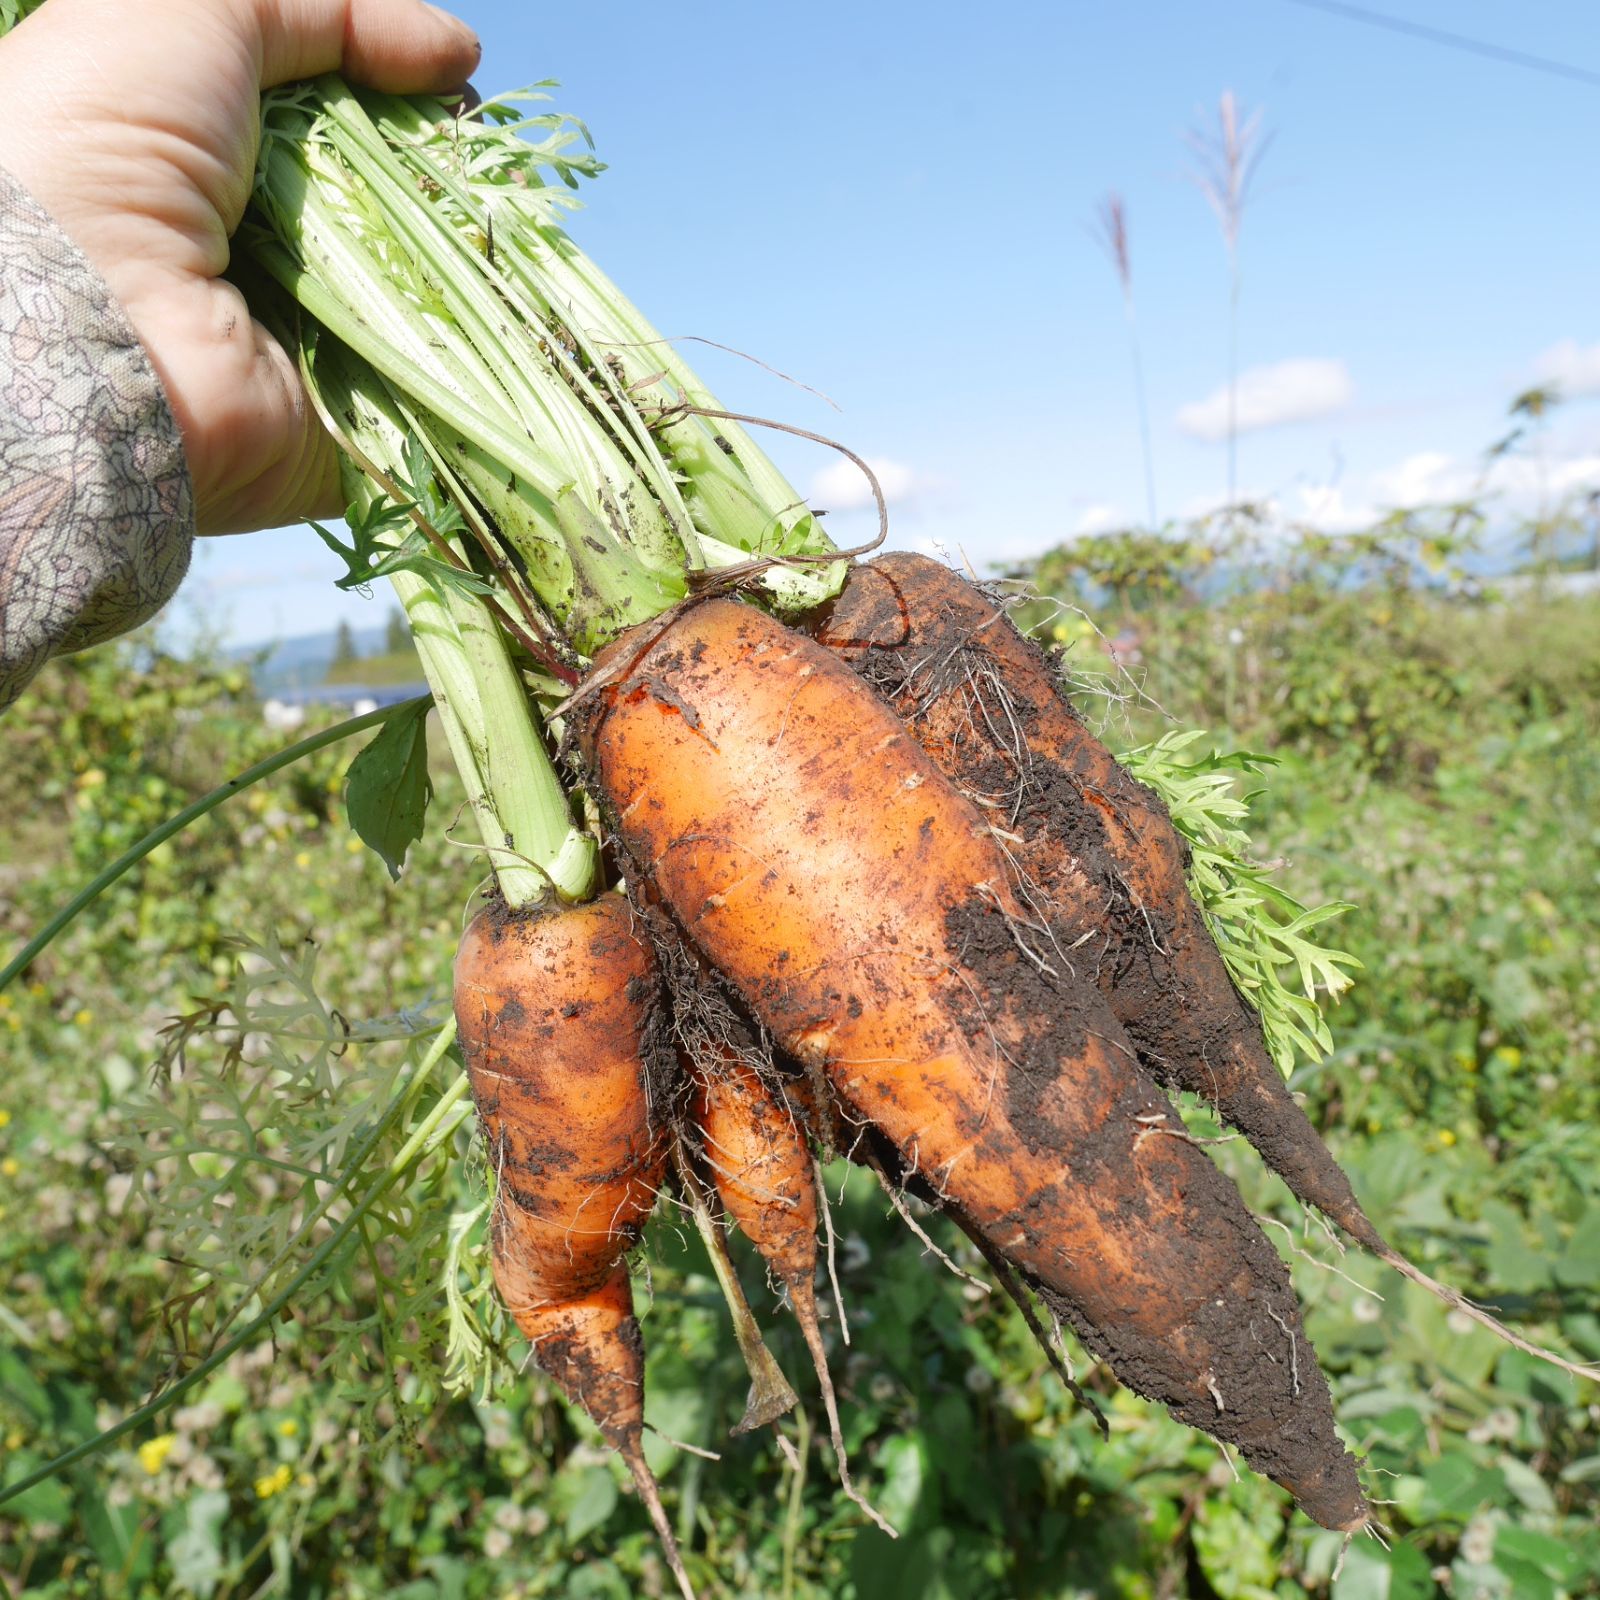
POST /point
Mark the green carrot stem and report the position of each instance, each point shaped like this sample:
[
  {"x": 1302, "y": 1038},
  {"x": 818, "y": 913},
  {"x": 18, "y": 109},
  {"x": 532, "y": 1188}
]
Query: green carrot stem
[
  {"x": 427, "y": 246},
  {"x": 517, "y": 798},
  {"x": 180, "y": 820}
]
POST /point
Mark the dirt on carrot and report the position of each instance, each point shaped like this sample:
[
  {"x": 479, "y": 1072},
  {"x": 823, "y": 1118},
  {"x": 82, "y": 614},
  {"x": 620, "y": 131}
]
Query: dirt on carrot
[
  {"x": 753, "y": 1144},
  {"x": 1090, "y": 848}
]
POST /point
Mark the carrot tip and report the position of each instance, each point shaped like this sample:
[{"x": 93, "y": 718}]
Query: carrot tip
[
  {"x": 803, "y": 1299},
  {"x": 650, "y": 1493}
]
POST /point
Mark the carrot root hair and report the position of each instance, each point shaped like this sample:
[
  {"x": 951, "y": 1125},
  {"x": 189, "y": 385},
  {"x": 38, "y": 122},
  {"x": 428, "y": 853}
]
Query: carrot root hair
[
  {"x": 1459, "y": 1302},
  {"x": 632, "y": 1452},
  {"x": 1017, "y": 1292},
  {"x": 901, "y": 1210},
  {"x": 803, "y": 1299}
]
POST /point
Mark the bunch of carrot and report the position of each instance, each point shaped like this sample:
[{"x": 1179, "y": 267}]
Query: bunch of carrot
[{"x": 792, "y": 857}]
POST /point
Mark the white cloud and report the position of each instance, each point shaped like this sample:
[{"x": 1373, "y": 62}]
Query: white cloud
[
  {"x": 1286, "y": 391},
  {"x": 1099, "y": 517},
  {"x": 1423, "y": 479},
  {"x": 1522, "y": 484},
  {"x": 1326, "y": 507},
  {"x": 1579, "y": 474},
  {"x": 842, "y": 486},
  {"x": 1571, "y": 367}
]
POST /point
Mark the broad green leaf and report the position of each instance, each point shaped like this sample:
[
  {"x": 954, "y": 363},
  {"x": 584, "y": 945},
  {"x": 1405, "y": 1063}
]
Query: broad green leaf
[
  {"x": 1528, "y": 1581},
  {"x": 907, "y": 1568},
  {"x": 1512, "y": 1264},
  {"x": 49, "y": 1501},
  {"x": 1514, "y": 993},
  {"x": 904, "y": 1466},
  {"x": 1528, "y": 1486},
  {"x": 115, "y": 1533},
  {"x": 1236, "y": 1554},
  {"x": 1457, "y": 1487},
  {"x": 597, "y": 1580},
  {"x": 596, "y": 1500},
  {"x": 1578, "y": 1266},
  {"x": 675, "y": 1414},
  {"x": 21, "y": 1388},
  {"x": 388, "y": 788},
  {"x": 1373, "y": 1573},
  {"x": 1541, "y": 1550}
]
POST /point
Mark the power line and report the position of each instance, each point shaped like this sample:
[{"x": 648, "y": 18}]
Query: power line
[{"x": 1454, "y": 41}]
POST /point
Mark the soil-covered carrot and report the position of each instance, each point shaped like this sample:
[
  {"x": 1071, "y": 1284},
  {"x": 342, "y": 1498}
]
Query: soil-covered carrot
[
  {"x": 860, "y": 906},
  {"x": 753, "y": 1144},
  {"x": 560, "y": 1021},
  {"x": 1094, "y": 849}
]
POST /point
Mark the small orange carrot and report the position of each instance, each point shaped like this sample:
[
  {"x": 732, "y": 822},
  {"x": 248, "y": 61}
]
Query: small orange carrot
[
  {"x": 559, "y": 1016},
  {"x": 753, "y": 1144}
]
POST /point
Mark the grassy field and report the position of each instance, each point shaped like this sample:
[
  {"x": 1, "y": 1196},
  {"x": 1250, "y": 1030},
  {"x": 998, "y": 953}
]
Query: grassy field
[{"x": 1438, "y": 767}]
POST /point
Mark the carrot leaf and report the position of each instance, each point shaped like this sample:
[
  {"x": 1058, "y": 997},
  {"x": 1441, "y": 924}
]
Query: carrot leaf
[
  {"x": 1262, "y": 931},
  {"x": 387, "y": 790}
]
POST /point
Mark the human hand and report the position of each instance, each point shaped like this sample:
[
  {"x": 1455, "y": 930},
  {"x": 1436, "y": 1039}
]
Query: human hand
[{"x": 135, "y": 124}]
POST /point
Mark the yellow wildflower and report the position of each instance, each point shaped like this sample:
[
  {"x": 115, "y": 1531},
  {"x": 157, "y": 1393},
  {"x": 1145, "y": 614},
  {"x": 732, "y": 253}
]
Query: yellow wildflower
[
  {"x": 1446, "y": 1137},
  {"x": 153, "y": 1453},
  {"x": 302, "y": 859},
  {"x": 288, "y": 1427},
  {"x": 10, "y": 1167},
  {"x": 83, "y": 1016},
  {"x": 5, "y": 1119},
  {"x": 274, "y": 1482}
]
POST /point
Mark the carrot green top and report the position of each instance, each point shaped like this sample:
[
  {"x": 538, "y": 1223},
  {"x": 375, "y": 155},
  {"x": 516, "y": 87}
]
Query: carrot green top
[{"x": 428, "y": 246}]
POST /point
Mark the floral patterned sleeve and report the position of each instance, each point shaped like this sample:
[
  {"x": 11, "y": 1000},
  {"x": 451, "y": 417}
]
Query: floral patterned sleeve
[{"x": 96, "y": 508}]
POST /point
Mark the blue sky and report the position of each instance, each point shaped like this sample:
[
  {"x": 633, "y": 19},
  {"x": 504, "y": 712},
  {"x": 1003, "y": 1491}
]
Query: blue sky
[{"x": 893, "y": 203}]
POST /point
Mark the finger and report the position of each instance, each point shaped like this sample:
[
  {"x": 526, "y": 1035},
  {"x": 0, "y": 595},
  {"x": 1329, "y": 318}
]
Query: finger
[
  {"x": 258, "y": 454},
  {"x": 286, "y": 468},
  {"x": 403, "y": 46}
]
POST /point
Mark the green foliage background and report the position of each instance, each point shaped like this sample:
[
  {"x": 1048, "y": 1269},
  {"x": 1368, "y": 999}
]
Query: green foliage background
[{"x": 1439, "y": 768}]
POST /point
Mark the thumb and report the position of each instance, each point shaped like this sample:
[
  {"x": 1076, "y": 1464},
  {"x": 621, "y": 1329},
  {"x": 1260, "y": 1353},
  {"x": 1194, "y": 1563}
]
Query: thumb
[{"x": 402, "y": 46}]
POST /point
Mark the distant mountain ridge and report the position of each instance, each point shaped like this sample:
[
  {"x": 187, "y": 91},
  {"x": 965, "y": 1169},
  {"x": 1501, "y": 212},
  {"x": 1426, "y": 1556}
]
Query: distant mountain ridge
[{"x": 302, "y": 663}]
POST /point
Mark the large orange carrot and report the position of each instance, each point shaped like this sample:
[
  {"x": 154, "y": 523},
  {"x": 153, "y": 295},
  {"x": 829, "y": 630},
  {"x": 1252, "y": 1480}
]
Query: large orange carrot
[
  {"x": 559, "y": 1016},
  {"x": 860, "y": 906},
  {"x": 754, "y": 1146},
  {"x": 1092, "y": 847}
]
